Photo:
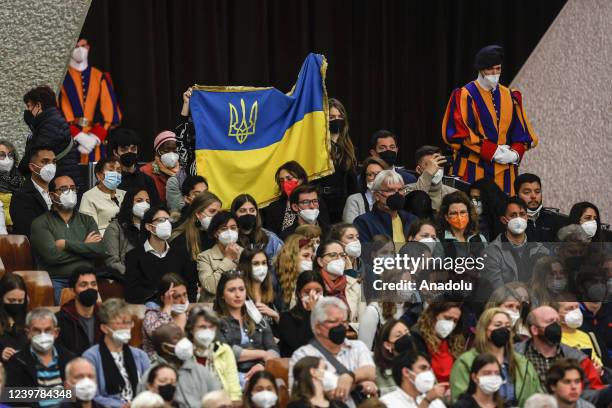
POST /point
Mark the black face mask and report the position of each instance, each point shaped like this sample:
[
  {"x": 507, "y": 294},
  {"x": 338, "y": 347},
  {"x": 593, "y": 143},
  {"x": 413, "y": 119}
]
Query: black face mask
[
  {"x": 396, "y": 201},
  {"x": 15, "y": 310},
  {"x": 336, "y": 126},
  {"x": 389, "y": 156},
  {"x": 28, "y": 118},
  {"x": 167, "y": 392},
  {"x": 88, "y": 297},
  {"x": 500, "y": 336},
  {"x": 128, "y": 159},
  {"x": 246, "y": 222},
  {"x": 403, "y": 344},
  {"x": 337, "y": 334},
  {"x": 552, "y": 333}
]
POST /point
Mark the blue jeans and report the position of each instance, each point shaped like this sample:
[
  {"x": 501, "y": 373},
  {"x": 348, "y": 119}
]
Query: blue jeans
[{"x": 58, "y": 285}]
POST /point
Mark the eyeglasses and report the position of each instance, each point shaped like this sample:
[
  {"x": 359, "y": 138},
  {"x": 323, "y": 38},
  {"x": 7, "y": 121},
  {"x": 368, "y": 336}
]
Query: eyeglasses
[
  {"x": 309, "y": 202},
  {"x": 161, "y": 219},
  {"x": 335, "y": 255},
  {"x": 65, "y": 189},
  {"x": 5, "y": 155}
]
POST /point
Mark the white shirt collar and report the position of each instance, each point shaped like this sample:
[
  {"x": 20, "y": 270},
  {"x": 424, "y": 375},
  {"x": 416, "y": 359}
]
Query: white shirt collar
[
  {"x": 149, "y": 248},
  {"x": 43, "y": 193}
]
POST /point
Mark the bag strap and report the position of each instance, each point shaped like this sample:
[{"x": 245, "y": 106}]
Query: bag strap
[
  {"x": 340, "y": 368},
  {"x": 66, "y": 150},
  {"x": 596, "y": 348}
]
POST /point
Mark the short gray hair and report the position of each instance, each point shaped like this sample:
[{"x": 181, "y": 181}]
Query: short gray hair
[
  {"x": 541, "y": 401},
  {"x": 113, "y": 308},
  {"x": 148, "y": 399},
  {"x": 76, "y": 360},
  {"x": 40, "y": 313},
  {"x": 215, "y": 398},
  {"x": 319, "y": 312},
  {"x": 386, "y": 177},
  {"x": 573, "y": 233}
]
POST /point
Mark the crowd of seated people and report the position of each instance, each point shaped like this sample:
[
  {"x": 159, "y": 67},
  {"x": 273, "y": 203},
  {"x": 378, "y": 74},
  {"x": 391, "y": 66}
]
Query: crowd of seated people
[{"x": 215, "y": 295}]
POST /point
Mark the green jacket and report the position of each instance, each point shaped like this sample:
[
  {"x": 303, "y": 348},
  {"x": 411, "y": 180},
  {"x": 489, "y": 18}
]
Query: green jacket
[
  {"x": 526, "y": 384},
  {"x": 49, "y": 228}
]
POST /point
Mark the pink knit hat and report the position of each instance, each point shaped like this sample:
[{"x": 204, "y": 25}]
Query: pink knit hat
[{"x": 163, "y": 137}]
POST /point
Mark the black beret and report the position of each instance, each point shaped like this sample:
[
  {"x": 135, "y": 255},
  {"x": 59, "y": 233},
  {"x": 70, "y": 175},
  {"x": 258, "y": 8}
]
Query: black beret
[{"x": 488, "y": 56}]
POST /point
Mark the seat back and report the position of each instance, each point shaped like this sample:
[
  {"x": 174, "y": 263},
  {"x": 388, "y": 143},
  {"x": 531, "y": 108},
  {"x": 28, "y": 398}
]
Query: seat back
[
  {"x": 138, "y": 315},
  {"x": 40, "y": 288},
  {"x": 110, "y": 289},
  {"x": 279, "y": 368},
  {"x": 16, "y": 253},
  {"x": 2, "y": 270}
]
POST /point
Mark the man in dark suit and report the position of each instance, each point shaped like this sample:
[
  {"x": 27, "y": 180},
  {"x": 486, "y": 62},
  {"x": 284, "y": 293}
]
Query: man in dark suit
[{"x": 33, "y": 200}]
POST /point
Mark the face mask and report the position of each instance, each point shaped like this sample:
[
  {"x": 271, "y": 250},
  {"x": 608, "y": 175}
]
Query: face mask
[
  {"x": 557, "y": 285},
  {"x": 264, "y": 399},
  {"x": 514, "y": 316},
  {"x": 28, "y": 118},
  {"x": 205, "y": 337},
  {"x": 68, "y": 200},
  {"x": 337, "y": 334},
  {"x": 478, "y": 206},
  {"x": 122, "y": 336},
  {"x": 597, "y": 292},
  {"x": 183, "y": 350},
  {"x": 128, "y": 159},
  {"x": 43, "y": 342},
  {"x": 329, "y": 381},
  {"x": 395, "y": 202},
  {"x": 492, "y": 79},
  {"x": 389, "y": 157},
  {"x": 490, "y": 384},
  {"x": 15, "y": 310},
  {"x": 444, "y": 328},
  {"x": 169, "y": 159},
  {"x": 517, "y": 225},
  {"x": 403, "y": 344},
  {"x": 353, "y": 249},
  {"x": 424, "y": 381},
  {"x": 246, "y": 222},
  {"x": 309, "y": 215},
  {"x": 139, "y": 209},
  {"x": 228, "y": 237},
  {"x": 288, "y": 186},
  {"x": 534, "y": 213},
  {"x": 552, "y": 333},
  {"x": 369, "y": 185},
  {"x": 437, "y": 178},
  {"x": 573, "y": 319},
  {"x": 112, "y": 179},
  {"x": 430, "y": 242},
  {"x": 79, "y": 54},
  {"x": 305, "y": 266},
  {"x": 336, "y": 126},
  {"x": 459, "y": 222},
  {"x": 163, "y": 230},
  {"x": 47, "y": 172},
  {"x": 336, "y": 267},
  {"x": 167, "y": 391},
  {"x": 179, "y": 308},
  {"x": 85, "y": 389},
  {"x": 590, "y": 227},
  {"x": 259, "y": 272},
  {"x": 6, "y": 164},
  {"x": 205, "y": 222},
  {"x": 500, "y": 336},
  {"x": 88, "y": 297},
  {"x": 253, "y": 312}
]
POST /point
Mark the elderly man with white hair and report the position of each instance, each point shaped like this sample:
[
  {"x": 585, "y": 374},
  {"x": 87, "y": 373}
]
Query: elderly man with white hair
[
  {"x": 217, "y": 399},
  {"x": 387, "y": 216},
  {"x": 81, "y": 379},
  {"x": 541, "y": 401},
  {"x": 348, "y": 361}
]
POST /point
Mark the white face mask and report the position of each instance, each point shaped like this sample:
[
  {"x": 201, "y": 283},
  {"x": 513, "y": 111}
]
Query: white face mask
[
  {"x": 259, "y": 272},
  {"x": 169, "y": 159},
  {"x": 309, "y": 215},
  {"x": 47, "y": 172},
  {"x": 369, "y": 185},
  {"x": 205, "y": 337},
  {"x": 264, "y": 399},
  {"x": 68, "y": 200},
  {"x": 478, "y": 206},
  {"x": 80, "y": 54},
  {"x": 122, "y": 336},
  {"x": 336, "y": 267},
  {"x": 437, "y": 178},
  {"x": 205, "y": 222},
  {"x": 590, "y": 227},
  {"x": 353, "y": 249},
  {"x": 573, "y": 319},
  {"x": 42, "y": 342},
  {"x": 493, "y": 80},
  {"x": 163, "y": 230},
  {"x": 139, "y": 209},
  {"x": 85, "y": 389},
  {"x": 430, "y": 242},
  {"x": 514, "y": 316},
  {"x": 183, "y": 350},
  {"x": 557, "y": 285},
  {"x": 490, "y": 384},
  {"x": 534, "y": 213},
  {"x": 179, "y": 308},
  {"x": 444, "y": 328},
  {"x": 228, "y": 237},
  {"x": 517, "y": 225},
  {"x": 424, "y": 381},
  {"x": 6, "y": 164},
  {"x": 253, "y": 312},
  {"x": 329, "y": 381},
  {"x": 305, "y": 266}
]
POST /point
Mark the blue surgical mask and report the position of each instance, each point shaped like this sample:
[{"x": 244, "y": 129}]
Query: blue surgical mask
[{"x": 112, "y": 179}]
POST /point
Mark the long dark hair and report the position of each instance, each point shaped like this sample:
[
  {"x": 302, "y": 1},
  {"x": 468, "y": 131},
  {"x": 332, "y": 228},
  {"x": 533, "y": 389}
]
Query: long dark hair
[
  {"x": 10, "y": 282},
  {"x": 454, "y": 198},
  {"x": 382, "y": 357},
  {"x": 303, "y": 387},
  {"x": 295, "y": 169},
  {"x": 344, "y": 154},
  {"x": 219, "y": 305},
  {"x": 257, "y": 236},
  {"x": 480, "y": 361},
  {"x": 124, "y": 216},
  {"x": 493, "y": 201},
  {"x": 246, "y": 402},
  {"x": 164, "y": 285},
  {"x": 576, "y": 212},
  {"x": 155, "y": 370},
  {"x": 244, "y": 265},
  {"x": 304, "y": 279}
]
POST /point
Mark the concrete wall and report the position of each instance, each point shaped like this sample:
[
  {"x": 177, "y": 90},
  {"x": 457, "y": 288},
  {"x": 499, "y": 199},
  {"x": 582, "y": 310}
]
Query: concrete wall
[
  {"x": 37, "y": 38},
  {"x": 567, "y": 89}
]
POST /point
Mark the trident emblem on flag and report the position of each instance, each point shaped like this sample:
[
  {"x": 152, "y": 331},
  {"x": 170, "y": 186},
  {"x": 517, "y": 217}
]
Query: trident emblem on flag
[{"x": 240, "y": 129}]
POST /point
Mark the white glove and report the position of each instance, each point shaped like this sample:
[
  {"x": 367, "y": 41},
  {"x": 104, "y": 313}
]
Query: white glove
[
  {"x": 87, "y": 141},
  {"x": 82, "y": 150},
  {"x": 505, "y": 155}
]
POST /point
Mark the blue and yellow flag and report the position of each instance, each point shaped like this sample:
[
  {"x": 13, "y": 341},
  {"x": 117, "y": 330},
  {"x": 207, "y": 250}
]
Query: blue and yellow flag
[{"x": 244, "y": 134}]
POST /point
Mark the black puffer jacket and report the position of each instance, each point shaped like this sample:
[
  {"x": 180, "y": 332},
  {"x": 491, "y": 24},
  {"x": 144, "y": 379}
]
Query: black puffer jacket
[{"x": 51, "y": 129}]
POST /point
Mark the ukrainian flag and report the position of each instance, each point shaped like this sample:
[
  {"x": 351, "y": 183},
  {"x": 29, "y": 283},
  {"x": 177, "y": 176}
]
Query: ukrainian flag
[{"x": 243, "y": 134}]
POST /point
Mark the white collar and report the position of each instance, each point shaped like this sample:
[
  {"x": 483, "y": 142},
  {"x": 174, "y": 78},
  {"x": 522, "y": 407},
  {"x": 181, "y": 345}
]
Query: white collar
[
  {"x": 79, "y": 66},
  {"x": 149, "y": 248}
]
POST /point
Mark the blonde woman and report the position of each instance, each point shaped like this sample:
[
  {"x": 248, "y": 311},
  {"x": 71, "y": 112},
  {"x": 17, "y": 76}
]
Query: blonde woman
[{"x": 294, "y": 258}]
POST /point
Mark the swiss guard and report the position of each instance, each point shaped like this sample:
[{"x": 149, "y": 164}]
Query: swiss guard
[
  {"x": 89, "y": 104},
  {"x": 486, "y": 126}
]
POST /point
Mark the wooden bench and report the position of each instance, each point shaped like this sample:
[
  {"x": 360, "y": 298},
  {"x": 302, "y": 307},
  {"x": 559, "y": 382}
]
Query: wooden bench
[
  {"x": 40, "y": 288},
  {"x": 16, "y": 253},
  {"x": 279, "y": 368}
]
